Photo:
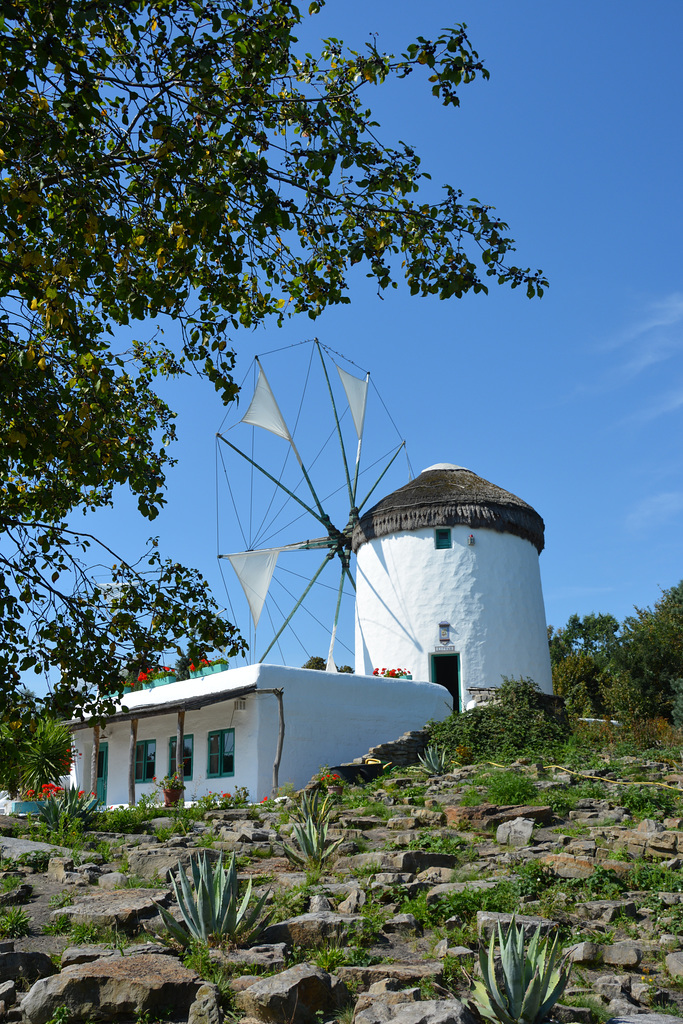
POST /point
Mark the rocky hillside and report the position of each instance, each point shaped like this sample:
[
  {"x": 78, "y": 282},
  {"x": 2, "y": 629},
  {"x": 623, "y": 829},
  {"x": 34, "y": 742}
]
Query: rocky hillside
[{"x": 388, "y": 930}]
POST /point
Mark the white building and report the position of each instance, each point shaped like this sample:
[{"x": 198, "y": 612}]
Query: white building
[
  {"x": 448, "y": 584},
  {"x": 228, "y": 725}
]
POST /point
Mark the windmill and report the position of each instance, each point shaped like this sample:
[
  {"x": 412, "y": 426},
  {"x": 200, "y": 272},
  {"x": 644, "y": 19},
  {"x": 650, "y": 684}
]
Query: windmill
[{"x": 347, "y": 399}]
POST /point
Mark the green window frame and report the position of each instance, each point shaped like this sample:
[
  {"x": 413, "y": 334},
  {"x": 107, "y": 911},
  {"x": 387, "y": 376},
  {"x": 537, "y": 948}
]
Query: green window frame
[
  {"x": 221, "y": 754},
  {"x": 188, "y": 755},
  {"x": 442, "y": 539},
  {"x": 145, "y": 760}
]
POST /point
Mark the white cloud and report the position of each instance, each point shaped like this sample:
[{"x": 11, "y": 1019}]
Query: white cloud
[{"x": 656, "y": 510}]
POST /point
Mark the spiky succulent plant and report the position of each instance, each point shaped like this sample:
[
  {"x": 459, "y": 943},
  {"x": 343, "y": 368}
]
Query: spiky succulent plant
[
  {"x": 212, "y": 912},
  {"x": 434, "y": 761},
  {"x": 533, "y": 980},
  {"x": 310, "y": 829},
  {"x": 72, "y": 804}
]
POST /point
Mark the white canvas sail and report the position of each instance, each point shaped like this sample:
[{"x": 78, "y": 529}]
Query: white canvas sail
[
  {"x": 330, "y": 666},
  {"x": 264, "y": 411},
  {"x": 254, "y": 570},
  {"x": 357, "y": 397}
]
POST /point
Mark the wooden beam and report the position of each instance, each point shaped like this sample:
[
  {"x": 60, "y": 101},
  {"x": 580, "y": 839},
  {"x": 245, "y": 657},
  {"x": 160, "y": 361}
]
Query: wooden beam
[
  {"x": 94, "y": 758},
  {"x": 277, "y": 692},
  {"x": 180, "y": 747},
  {"x": 186, "y": 704},
  {"x": 131, "y": 761}
]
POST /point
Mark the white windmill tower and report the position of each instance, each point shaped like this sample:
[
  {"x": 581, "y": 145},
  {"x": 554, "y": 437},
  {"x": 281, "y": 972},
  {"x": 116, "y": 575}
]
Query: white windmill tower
[{"x": 448, "y": 584}]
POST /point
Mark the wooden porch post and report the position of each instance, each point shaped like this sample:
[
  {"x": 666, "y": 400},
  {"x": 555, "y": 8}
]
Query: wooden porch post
[
  {"x": 180, "y": 746},
  {"x": 94, "y": 757},
  {"x": 280, "y": 739},
  {"x": 131, "y": 761}
]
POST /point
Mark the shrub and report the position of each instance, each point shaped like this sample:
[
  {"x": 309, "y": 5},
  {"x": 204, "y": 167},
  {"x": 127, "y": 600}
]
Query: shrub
[
  {"x": 510, "y": 788},
  {"x": 648, "y": 801},
  {"x": 30, "y": 760},
  {"x": 519, "y": 721}
]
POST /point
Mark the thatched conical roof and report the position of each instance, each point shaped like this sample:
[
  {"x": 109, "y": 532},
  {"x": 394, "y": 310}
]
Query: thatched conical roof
[{"x": 447, "y": 495}]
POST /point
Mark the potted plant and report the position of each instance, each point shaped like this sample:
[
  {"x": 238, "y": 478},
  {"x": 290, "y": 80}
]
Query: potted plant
[
  {"x": 172, "y": 787},
  {"x": 331, "y": 781},
  {"x": 392, "y": 673}
]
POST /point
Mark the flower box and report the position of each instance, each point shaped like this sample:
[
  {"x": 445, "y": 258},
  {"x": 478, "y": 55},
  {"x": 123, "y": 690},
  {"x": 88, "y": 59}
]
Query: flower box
[
  {"x": 160, "y": 681},
  {"x": 206, "y": 670},
  {"x": 26, "y": 806}
]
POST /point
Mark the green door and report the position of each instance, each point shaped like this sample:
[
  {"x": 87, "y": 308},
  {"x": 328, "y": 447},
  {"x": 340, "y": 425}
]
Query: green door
[{"x": 102, "y": 767}]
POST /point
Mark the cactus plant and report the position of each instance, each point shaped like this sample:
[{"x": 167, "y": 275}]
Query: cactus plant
[
  {"x": 212, "y": 913},
  {"x": 533, "y": 980}
]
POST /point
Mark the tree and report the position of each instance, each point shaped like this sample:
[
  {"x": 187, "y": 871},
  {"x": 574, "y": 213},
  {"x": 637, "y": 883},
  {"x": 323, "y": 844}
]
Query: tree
[
  {"x": 651, "y": 652},
  {"x": 177, "y": 162},
  {"x": 582, "y": 659}
]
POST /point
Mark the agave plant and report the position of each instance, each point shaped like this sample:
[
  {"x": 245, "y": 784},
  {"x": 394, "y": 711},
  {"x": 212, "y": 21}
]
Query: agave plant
[
  {"x": 434, "y": 761},
  {"x": 312, "y": 823},
  {"x": 533, "y": 980},
  {"x": 212, "y": 912},
  {"x": 74, "y": 805}
]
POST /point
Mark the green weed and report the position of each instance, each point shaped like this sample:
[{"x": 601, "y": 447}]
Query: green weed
[{"x": 14, "y": 923}]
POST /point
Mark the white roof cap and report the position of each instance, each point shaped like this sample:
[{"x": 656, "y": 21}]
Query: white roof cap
[{"x": 445, "y": 465}]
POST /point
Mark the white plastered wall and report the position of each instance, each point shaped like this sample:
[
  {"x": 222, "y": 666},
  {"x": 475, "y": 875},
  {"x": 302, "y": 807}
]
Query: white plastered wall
[
  {"x": 489, "y": 592},
  {"x": 329, "y": 718}
]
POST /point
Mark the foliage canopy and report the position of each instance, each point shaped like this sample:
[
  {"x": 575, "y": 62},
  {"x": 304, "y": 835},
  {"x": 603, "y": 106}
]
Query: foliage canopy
[{"x": 178, "y": 162}]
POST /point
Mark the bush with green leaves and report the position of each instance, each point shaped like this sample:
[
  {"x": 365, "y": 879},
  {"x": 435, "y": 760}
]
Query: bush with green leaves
[
  {"x": 30, "y": 759},
  {"x": 311, "y": 828},
  {"x": 519, "y": 721},
  {"x": 510, "y": 788},
  {"x": 534, "y": 979},
  {"x": 211, "y": 909},
  {"x": 649, "y": 801}
]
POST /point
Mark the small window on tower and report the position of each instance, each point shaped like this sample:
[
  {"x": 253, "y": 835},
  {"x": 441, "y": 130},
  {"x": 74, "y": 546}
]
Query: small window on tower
[{"x": 442, "y": 539}]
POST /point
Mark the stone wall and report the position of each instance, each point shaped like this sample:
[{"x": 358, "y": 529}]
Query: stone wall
[{"x": 403, "y": 751}]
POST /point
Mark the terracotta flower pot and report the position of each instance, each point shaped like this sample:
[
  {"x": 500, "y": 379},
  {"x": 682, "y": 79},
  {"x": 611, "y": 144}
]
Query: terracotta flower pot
[
  {"x": 335, "y": 790},
  {"x": 172, "y": 797}
]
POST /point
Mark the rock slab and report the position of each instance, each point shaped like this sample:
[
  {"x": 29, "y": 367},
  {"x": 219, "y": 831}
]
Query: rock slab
[
  {"x": 299, "y": 996},
  {"x": 114, "y": 987}
]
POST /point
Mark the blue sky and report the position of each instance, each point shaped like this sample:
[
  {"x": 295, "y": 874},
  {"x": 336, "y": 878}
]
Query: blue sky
[{"x": 573, "y": 402}]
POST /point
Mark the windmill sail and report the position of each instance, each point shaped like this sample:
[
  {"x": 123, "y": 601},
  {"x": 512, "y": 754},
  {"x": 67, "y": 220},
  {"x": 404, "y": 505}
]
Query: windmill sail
[
  {"x": 357, "y": 397},
  {"x": 254, "y": 571},
  {"x": 264, "y": 411}
]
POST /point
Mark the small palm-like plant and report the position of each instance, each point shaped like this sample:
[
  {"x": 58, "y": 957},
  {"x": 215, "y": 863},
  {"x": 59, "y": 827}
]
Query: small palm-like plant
[
  {"x": 76, "y": 806},
  {"x": 533, "y": 980},
  {"x": 212, "y": 912},
  {"x": 312, "y": 823},
  {"x": 434, "y": 761}
]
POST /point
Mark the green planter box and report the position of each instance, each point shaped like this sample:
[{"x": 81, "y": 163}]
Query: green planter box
[
  {"x": 207, "y": 671},
  {"x": 151, "y": 683},
  {"x": 26, "y": 807}
]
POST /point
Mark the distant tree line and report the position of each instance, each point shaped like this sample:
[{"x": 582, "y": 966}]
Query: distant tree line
[{"x": 627, "y": 670}]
